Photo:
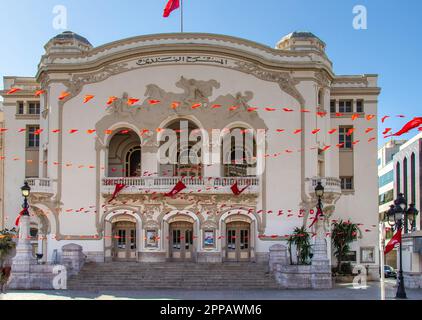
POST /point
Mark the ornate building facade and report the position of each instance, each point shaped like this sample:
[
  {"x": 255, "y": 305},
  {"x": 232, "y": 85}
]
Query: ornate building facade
[{"x": 73, "y": 154}]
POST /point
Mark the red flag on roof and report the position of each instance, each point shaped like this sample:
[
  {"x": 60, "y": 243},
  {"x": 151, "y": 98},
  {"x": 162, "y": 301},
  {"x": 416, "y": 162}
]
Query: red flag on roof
[{"x": 170, "y": 7}]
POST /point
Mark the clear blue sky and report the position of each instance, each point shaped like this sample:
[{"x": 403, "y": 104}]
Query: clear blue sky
[{"x": 390, "y": 46}]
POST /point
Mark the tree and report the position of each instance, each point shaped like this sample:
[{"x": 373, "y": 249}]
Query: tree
[
  {"x": 6, "y": 246},
  {"x": 342, "y": 234},
  {"x": 301, "y": 239}
]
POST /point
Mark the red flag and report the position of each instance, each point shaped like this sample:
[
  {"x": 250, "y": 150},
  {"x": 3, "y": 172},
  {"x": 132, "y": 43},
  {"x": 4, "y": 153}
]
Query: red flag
[
  {"x": 236, "y": 191},
  {"x": 412, "y": 124},
  {"x": 170, "y": 7},
  {"x": 119, "y": 187},
  {"x": 19, "y": 217},
  {"x": 177, "y": 188},
  {"x": 319, "y": 213},
  {"x": 392, "y": 243}
]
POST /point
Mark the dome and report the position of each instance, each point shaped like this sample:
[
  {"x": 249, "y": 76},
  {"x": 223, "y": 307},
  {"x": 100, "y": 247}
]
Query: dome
[
  {"x": 301, "y": 40},
  {"x": 69, "y": 35}
]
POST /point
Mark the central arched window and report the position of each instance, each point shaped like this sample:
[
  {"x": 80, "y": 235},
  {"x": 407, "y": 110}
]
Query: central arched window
[
  {"x": 187, "y": 160},
  {"x": 133, "y": 162},
  {"x": 238, "y": 153}
]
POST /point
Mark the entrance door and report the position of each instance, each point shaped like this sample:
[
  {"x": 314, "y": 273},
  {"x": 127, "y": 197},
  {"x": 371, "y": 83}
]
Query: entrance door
[
  {"x": 238, "y": 241},
  {"x": 124, "y": 241},
  {"x": 181, "y": 241}
]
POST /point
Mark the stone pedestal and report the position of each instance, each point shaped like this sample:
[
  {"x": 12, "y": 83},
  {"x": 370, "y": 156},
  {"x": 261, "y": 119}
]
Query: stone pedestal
[
  {"x": 321, "y": 277},
  {"x": 72, "y": 258},
  {"x": 278, "y": 255},
  {"x": 26, "y": 273}
]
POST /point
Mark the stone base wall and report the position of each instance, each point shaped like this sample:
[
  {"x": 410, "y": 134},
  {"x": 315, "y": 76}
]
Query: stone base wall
[
  {"x": 209, "y": 257},
  {"x": 150, "y": 257},
  {"x": 303, "y": 277},
  {"x": 94, "y": 256},
  {"x": 32, "y": 277},
  {"x": 412, "y": 280}
]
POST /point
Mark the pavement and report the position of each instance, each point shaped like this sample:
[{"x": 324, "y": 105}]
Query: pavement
[{"x": 372, "y": 291}]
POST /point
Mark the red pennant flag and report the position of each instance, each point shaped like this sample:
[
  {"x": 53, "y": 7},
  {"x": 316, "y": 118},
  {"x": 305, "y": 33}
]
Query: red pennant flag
[
  {"x": 170, "y": 7},
  {"x": 392, "y": 243},
  {"x": 319, "y": 212},
  {"x": 177, "y": 189},
  {"x": 236, "y": 191},
  {"x": 19, "y": 217},
  {"x": 119, "y": 187}
]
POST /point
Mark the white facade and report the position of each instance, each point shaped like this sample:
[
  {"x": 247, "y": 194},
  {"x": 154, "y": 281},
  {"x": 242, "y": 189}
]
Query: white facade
[{"x": 76, "y": 171}]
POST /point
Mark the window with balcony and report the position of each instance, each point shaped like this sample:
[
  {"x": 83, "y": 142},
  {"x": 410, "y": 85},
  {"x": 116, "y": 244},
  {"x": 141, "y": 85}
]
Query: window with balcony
[
  {"x": 345, "y": 106},
  {"x": 182, "y": 158},
  {"x": 386, "y": 197},
  {"x": 124, "y": 154},
  {"x": 239, "y": 153},
  {"x": 345, "y": 137},
  {"x": 33, "y": 136},
  {"x": 346, "y": 183}
]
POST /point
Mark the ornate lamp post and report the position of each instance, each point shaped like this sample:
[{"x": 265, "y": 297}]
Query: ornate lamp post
[
  {"x": 319, "y": 192},
  {"x": 26, "y": 190},
  {"x": 399, "y": 216}
]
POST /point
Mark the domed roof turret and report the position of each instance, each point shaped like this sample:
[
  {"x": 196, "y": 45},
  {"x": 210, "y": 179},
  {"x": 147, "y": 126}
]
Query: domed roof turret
[
  {"x": 301, "y": 40},
  {"x": 68, "y": 42}
]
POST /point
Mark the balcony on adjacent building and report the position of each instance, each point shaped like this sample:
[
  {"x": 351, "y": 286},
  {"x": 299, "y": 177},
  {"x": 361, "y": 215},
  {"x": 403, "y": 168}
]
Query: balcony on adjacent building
[
  {"x": 194, "y": 185},
  {"x": 41, "y": 186},
  {"x": 331, "y": 185}
]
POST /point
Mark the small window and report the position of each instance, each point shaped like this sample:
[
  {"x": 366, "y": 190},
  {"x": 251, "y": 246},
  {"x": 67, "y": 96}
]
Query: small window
[
  {"x": 345, "y": 106},
  {"x": 33, "y": 137},
  {"x": 20, "y": 108},
  {"x": 345, "y": 138},
  {"x": 359, "y": 106},
  {"x": 346, "y": 183},
  {"x": 333, "y": 106},
  {"x": 34, "y": 108}
]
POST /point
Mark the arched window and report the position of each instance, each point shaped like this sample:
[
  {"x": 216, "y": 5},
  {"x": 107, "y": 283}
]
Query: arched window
[
  {"x": 124, "y": 154},
  {"x": 398, "y": 177},
  {"x": 413, "y": 178},
  {"x": 188, "y": 154},
  {"x": 239, "y": 153},
  {"x": 405, "y": 187}
]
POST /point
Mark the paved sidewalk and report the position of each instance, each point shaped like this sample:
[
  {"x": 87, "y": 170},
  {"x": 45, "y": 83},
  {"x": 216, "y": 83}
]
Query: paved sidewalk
[{"x": 340, "y": 292}]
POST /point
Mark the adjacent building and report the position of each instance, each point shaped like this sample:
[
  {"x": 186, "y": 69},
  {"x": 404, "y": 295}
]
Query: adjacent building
[
  {"x": 73, "y": 154},
  {"x": 386, "y": 192},
  {"x": 408, "y": 180}
]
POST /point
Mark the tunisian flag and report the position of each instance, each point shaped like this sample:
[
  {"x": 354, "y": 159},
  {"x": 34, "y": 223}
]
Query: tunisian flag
[
  {"x": 392, "y": 243},
  {"x": 176, "y": 189},
  {"x": 236, "y": 191},
  {"x": 170, "y": 7},
  {"x": 119, "y": 187}
]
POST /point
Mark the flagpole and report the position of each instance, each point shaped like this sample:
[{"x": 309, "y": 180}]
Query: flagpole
[{"x": 181, "y": 16}]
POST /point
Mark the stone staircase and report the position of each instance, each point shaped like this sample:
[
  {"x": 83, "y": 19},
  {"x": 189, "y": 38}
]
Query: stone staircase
[{"x": 129, "y": 276}]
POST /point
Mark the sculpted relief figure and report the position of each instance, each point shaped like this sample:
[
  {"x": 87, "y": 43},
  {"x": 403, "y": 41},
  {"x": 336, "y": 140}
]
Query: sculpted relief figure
[
  {"x": 195, "y": 91},
  {"x": 121, "y": 108}
]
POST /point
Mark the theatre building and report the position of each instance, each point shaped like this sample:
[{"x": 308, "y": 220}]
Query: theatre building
[{"x": 97, "y": 123}]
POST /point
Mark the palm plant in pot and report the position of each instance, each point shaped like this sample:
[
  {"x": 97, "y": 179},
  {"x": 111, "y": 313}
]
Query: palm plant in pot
[
  {"x": 301, "y": 239},
  {"x": 343, "y": 233}
]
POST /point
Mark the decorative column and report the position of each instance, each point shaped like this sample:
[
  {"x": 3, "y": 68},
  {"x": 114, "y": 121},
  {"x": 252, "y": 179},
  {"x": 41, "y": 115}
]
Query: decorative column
[
  {"x": 22, "y": 262},
  {"x": 320, "y": 269}
]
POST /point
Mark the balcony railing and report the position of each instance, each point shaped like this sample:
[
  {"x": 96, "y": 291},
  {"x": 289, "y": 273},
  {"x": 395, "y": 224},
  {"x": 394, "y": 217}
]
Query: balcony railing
[
  {"x": 39, "y": 185},
  {"x": 330, "y": 184},
  {"x": 193, "y": 184}
]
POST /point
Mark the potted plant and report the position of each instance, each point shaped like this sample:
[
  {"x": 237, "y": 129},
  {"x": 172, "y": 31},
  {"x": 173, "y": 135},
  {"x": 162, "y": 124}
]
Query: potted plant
[
  {"x": 301, "y": 239},
  {"x": 7, "y": 244},
  {"x": 343, "y": 233}
]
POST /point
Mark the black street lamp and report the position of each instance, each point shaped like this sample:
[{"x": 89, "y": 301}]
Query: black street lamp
[
  {"x": 319, "y": 192},
  {"x": 26, "y": 190},
  {"x": 398, "y": 217}
]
